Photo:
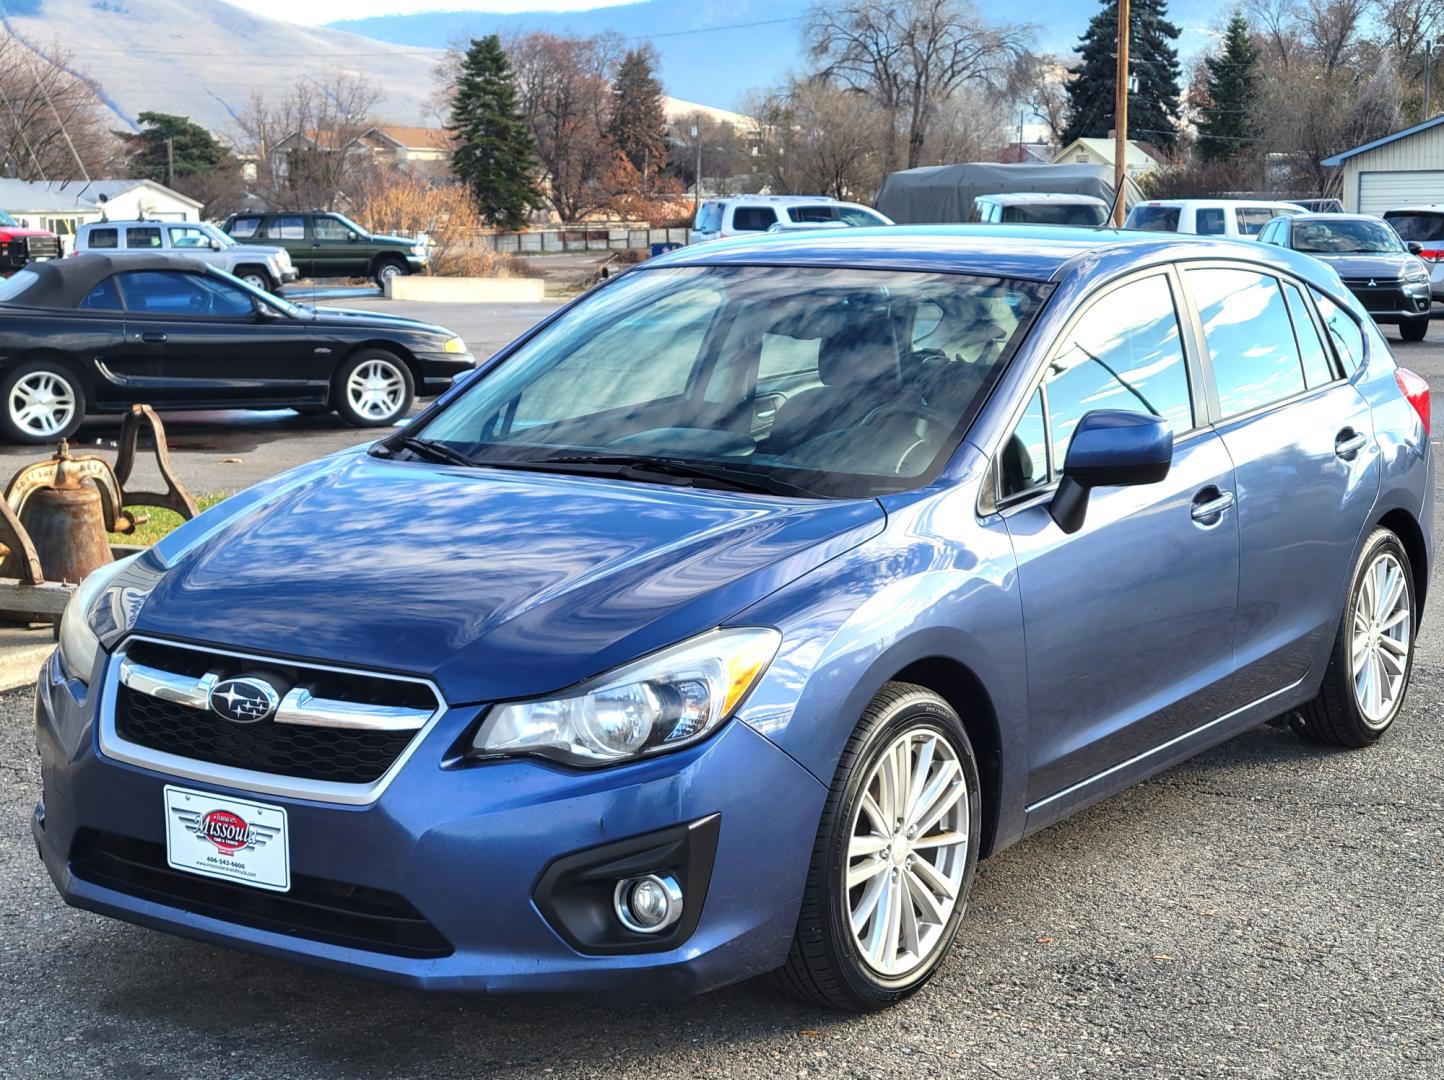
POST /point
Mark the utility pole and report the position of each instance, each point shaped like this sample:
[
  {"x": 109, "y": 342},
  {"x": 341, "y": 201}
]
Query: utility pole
[
  {"x": 697, "y": 184},
  {"x": 170, "y": 162},
  {"x": 1120, "y": 118},
  {"x": 1428, "y": 68}
]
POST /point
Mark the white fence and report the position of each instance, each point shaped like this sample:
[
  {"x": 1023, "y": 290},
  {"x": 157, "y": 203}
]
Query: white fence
[{"x": 550, "y": 241}]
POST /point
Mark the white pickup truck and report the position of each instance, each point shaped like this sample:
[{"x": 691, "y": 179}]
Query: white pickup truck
[{"x": 264, "y": 267}]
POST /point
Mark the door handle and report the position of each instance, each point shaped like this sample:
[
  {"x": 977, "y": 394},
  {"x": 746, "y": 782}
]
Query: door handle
[
  {"x": 1209, "y": 504},
  {"x": 1349, "y": 442},
  {"x": 153, "y": 337}
]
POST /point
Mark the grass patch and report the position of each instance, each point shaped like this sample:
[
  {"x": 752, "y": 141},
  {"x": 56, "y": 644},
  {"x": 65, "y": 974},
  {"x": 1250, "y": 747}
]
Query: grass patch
[{"x": 162, "y": 521}]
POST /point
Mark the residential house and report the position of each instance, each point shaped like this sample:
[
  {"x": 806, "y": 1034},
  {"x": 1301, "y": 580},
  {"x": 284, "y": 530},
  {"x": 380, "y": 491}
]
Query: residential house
[
  {"x": 1138, "y": 157},
  {"x": 1402, "y": 169},
  {"x": 62, "y": 206}
]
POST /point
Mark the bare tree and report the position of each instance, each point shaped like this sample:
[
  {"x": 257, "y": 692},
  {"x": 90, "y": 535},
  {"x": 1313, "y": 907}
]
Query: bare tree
[
  {"x": 1043, "y": 87},
  {"x": 911, "y": 56},
  {"x": 1407, "y": 24},
  {"x": 822, "y": 139},
  {"x": 717, "y": 147},
  {"x": 1333, "y": 29},
  {"x": 52, "y": 121}
]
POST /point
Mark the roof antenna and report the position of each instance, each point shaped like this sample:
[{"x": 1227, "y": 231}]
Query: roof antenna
[{"x": 1113, "y": 206}]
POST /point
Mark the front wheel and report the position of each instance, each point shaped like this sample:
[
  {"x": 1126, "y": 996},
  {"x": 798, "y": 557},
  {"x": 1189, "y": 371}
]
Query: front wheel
[
  {"x": 43, "y": 402},
  {"x": 894, "y": 859},
  {"x": 257, "y": 279},
  {"x": 1373, "y": 658},
  {"x": 388, "y": 269},
  {"x": 1414, "y": 329},
  {"x": 373, "y": 388}
]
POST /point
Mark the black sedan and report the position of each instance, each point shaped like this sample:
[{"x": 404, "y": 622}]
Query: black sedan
[
  {"x": 97, "y": 333},
  {"x": 1387, "y": 276}
]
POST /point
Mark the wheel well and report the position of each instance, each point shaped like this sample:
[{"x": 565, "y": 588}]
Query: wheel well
[
  {"x": 1403, "y": 525},
  {"x": 963, "y": 690},
  {"x": 387, "y": 257},
  {"x": 78, "y": 370},
  {"x": 247, "y": 268}
]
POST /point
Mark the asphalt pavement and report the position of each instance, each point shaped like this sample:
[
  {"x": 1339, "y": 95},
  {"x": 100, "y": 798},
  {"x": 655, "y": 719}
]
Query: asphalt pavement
[{"x": 1267, "y": 910}]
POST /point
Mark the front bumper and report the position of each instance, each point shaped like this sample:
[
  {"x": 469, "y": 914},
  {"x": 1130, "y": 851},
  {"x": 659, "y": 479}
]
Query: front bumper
[
  {"x": 466, "y": 847},
  {"x": 1393, "y": 301},
  {"x": 438, "y": 369},
  {"x": 417, "y": 264}
]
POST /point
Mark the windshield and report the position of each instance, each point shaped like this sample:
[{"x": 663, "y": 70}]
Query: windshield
[
  {"x": 1425, "y": 228},
  {"x": 1153, "y": 218},
  {"x": 1346, "y": 238},
  {"x": 6, "y": 219},
  {"x": 846, "y": 383},
  {"x": 1056, "y": 213},
  {"x": 16, "y": 284}
]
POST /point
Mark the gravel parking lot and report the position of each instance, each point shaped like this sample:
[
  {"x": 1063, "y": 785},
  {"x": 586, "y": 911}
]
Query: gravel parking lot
[{"x": 1269, "y": 909}]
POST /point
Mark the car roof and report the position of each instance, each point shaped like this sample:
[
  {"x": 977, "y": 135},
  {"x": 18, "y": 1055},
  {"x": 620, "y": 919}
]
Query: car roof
[
  {"x": 784, "y": 199},
  {"x": 1217, "y": 202},
  {"x": 1426, "y": 208},
  {"x": 1027, "y": 252},
  {"x": 1315, "y": 216},
  {"x": 63, "y": 283},
  {"x": 1024, "y": 198},
  {"x": 110, "y": 224}
]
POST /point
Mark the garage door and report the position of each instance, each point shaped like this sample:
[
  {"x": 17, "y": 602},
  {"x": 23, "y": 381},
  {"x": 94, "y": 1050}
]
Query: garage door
[{"x": 1380, "y": 191}]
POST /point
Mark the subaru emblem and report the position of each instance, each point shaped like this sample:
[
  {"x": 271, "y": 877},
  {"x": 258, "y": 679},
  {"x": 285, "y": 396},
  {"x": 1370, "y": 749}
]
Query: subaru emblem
[{"x": 244, "y": 701}]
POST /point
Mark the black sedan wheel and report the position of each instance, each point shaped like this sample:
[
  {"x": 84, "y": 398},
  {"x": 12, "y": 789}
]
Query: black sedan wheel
[
  {"x": 373, "y": 388},
  {"x": 43, "y": 402}
]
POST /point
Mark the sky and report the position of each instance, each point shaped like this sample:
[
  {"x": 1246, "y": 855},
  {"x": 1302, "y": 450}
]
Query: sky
[{"x": 316, "y": 12}]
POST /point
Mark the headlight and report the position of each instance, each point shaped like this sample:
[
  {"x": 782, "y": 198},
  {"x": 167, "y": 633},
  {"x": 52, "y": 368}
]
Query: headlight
[
  {"x": 662, "y": 702},
  {"x": 419, "y": 250},
  {"x": 454, "y": 345},
  {"x": 1417, "y": 274},
  {"x": 103, "y": 607}
]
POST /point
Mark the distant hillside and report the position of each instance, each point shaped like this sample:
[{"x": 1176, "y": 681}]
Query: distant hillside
[{"x": 204, "y": 58}]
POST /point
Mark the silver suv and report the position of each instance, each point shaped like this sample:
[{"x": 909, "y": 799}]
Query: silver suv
[{"x": 263, "y": 267}]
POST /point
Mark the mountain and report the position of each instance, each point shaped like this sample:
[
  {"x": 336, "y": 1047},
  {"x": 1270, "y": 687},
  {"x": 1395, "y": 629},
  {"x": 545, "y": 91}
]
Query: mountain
[
  {"x": 205, "y": 58},
  {"x": 717, "y": 51}
]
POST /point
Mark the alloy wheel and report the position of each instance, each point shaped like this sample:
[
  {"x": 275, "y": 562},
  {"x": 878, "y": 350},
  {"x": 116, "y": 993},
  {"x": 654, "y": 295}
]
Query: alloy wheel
[
  {"x": 42, "y": 403},
  {"x": 907, "y": 853},
  {"x": 376, "y": 389},
  {"x": 1379, "y": 646}
]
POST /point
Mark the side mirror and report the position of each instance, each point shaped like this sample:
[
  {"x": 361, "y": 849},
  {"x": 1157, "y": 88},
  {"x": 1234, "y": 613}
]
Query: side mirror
[
  {"x": 266, "y": 313},
  {"x": 1415, "y": 248},
  {"x": 354, "y": 238},
  {"x": 1110, "y": 448},
  {"x": 215, "y": 245}
]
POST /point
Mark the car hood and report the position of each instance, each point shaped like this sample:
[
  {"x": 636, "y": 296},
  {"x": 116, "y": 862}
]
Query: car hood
[
  {"x": 495, "y": 584},
  {"x": 11, "y": 232},
  {"x": 386, "y": 238},
  {"x": 351, "y": 317},
  {"x": 1380, "y": 267}
]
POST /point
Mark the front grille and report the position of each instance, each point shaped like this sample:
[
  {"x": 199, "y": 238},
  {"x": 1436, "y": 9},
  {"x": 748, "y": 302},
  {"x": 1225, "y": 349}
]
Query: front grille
[
  {"x": 318, "y": 909},
  {"x": 336, "y": 755},
  {"x": 1380, "y": 296},
  {"x": 42, "y": 247}
]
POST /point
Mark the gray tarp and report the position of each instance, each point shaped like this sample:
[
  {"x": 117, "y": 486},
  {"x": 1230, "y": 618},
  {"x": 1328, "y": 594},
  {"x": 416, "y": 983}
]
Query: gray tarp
[{"x": 944, "y": 193}]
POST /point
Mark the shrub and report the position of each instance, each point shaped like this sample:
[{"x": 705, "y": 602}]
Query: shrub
[{"x": 403, "y": 204}]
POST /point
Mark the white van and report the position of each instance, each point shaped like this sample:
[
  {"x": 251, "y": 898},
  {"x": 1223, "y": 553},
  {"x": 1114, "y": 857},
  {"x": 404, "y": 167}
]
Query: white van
[
  {"x": 1039, "y": 208},
  {"x": 1237, "y": 219},
  {"x": 742, "y": 215}
]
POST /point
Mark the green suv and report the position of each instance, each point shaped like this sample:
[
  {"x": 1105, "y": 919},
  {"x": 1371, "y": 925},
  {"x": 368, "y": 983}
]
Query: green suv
[{"x": 328, "y": 245}]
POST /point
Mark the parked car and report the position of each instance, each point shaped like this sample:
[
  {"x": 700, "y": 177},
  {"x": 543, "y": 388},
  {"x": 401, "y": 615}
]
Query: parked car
[
  {"x": 20, "y": 245},
  {"x": 1238, "y": 219},
  {"x": 1423, "y": 225},
  {"x": 743, "y": 215},
  {"x": 726, "y": 620},
  {"x": 97, "y": 333},
  {"x": 330, "y": 245},
  {"x": 260, "y": 267},
  {"x": 1390, "y": 280},
  {"x": 1039, "y": 208}
]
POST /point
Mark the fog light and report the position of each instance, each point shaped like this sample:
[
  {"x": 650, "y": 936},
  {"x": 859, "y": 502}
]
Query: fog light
[{"x": 648, "y": 904}]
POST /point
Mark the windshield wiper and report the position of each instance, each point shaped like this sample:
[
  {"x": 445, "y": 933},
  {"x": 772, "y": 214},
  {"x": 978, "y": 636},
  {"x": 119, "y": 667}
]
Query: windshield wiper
[
  {"x": 435, "y": 451},
  {"x": 629, "y": 466}
]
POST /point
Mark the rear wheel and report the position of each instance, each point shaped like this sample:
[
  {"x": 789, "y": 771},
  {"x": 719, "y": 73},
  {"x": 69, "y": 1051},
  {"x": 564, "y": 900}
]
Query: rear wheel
[
  {"x": 1414, "y": 329},
  {"x": 372, "y": 388},
  {"x": 1373, "y": 658},
  {"x": 894, "y": 859},
  {"x": 42, "y": 402}
]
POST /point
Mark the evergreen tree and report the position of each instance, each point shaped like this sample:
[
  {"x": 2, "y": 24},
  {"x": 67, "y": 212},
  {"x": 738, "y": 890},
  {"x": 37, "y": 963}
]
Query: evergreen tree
[
  {"x": 639, "y": 123},
  {"x": 1225, "y": 128},
  {"x": 494, "y": 141},
  {"x": 193, "y": 150},
  {"x": 1153, "y": 61}
]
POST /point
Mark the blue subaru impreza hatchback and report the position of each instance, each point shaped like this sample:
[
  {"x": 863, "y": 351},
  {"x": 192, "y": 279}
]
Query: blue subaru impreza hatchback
[{"x": 721, "y": 624}]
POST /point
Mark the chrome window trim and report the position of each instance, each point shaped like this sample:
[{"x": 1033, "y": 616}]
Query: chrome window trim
[{"x": 250, "y": 781}]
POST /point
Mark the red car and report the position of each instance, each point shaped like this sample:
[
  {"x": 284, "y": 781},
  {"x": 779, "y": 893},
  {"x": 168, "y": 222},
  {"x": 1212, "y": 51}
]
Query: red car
[{"x": 19, "y": 245}]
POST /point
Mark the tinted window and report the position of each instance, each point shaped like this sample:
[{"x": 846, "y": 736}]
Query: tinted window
[
  {"x": 1124, "y": 353},
  {"x": 104, "y": 297},
  {"x": 102, "y": 238},
  {"x": 324, "y": 228},
  {"x": 1253, "y": 218},
  {"x": 286, "y": 228},
  {"x": 1317, "y": 370},
  {"x": 1250, "y": 338},
  {"x": 169, "y": 292},
  {"x": 812, "y": 213},
  {"x": 1209, "y": 221},
  {"x": 1425, "y": 228},
  {"x": 188, "y": 237},
  {"x": 1153, "y": 218},
  {"x": 753, "y": 218},
  {"x": 1344, "y": 331},
  {"x": 244, "y": 226},
  {"x": 1087, "y": 214},
  {"x": 142, "y": 237}
]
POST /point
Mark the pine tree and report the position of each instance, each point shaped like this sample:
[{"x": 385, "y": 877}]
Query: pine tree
[
  {"x": 494, "y": 141},
  {"x": 639, "y": 123},
  {"x": 1153, "y": 61},
  {"x": 1226, "y": 128},
  {"x": 193, "y": 149}
]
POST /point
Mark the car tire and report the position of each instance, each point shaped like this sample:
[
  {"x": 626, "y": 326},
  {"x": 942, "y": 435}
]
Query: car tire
[
  {"x": 372, "y": 388},
  {"x": 256, "y": 278},
  {"x": 1354, "y": 709},
  {"x": 1414, "y": 329},
  {"x": 41, "y": 401},
  {"x": 387, "y": 269},
  {"x": 828, "y": 963}
]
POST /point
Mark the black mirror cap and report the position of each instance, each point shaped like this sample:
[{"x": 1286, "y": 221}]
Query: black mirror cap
[
  {"x": 1414, "y": 247},
  {"x": 1110, "y": 448}
]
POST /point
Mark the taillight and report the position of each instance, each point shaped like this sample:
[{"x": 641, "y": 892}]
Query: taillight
[
  {"x": 1416, "y": 390},
  {"x": 1432, "y": 254}
]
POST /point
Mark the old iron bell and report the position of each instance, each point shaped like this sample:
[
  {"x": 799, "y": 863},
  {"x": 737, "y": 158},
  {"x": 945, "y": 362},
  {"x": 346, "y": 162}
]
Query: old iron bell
[{"x": 66, "y": 521}]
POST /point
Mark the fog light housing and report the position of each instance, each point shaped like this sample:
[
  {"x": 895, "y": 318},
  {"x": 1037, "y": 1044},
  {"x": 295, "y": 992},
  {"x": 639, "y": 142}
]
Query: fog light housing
[{"x": 648, "y": 904}]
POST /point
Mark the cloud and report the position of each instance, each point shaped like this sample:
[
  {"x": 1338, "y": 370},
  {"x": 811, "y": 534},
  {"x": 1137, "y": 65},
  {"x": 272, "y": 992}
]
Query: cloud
[{"x": 317, "y": 12}]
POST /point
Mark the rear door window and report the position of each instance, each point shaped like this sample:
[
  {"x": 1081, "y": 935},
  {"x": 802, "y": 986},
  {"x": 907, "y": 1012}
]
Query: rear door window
[
  {"x": 1348, "y": 339},
  {"x": 1251, "y": 219},
  {"x": 1209, "y": 221},
  {"x": 1317, "y": 368},
  {"x": 1153, "y": 218},
  {"x": 142, "y": 237},
  {"x": 753, "y": 218},
  {"x": 1250, "y": 337},
  {"x": 102, "y": 239},
  {"x": 286, "y": 228}
]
